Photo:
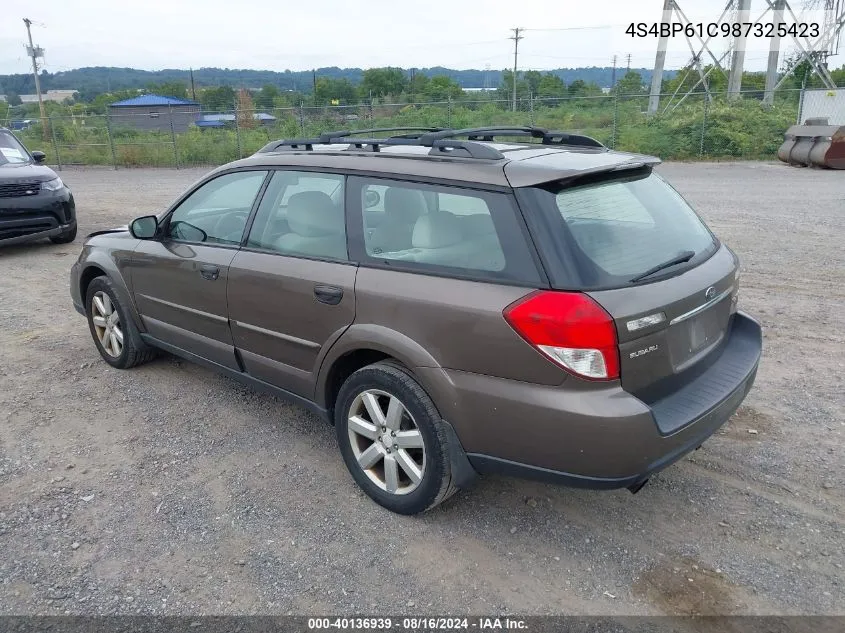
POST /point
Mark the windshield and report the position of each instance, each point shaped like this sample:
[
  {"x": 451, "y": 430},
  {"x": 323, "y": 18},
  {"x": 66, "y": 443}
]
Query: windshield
[
  {"x": 11, "y": 151},
  {"x": 613, "y": 230}
]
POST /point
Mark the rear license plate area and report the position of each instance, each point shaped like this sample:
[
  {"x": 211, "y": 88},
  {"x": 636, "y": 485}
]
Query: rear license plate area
[{"x": 697, "y": 334}]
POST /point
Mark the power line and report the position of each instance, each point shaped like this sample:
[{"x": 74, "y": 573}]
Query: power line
[
  {"x": 613, "y": 78},
  {"x": 516, "y": 37},
  {"x": 35, "y": 52}
]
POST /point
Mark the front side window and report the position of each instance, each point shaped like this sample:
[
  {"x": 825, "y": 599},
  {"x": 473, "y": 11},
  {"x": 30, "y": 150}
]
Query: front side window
[
  {"x": 217, "y": 212},
  {"x": 11, "y": 151},
  {"x": 442, "y": 229},
  {"x": 302, "y": 214}
]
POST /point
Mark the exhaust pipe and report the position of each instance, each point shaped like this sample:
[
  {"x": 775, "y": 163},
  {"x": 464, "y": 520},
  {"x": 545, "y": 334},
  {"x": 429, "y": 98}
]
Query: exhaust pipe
[{"x": 635, "y": 488}]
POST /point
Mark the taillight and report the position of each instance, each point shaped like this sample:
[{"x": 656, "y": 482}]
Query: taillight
[{"x": 571, "y": 329}]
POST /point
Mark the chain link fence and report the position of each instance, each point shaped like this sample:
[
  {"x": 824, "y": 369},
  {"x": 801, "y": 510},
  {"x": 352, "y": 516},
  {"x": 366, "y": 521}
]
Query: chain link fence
[{"x": 698, "y": 126}]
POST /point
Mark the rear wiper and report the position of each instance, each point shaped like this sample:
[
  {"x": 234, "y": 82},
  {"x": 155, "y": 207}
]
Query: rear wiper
[{"x": 680, "y": 258}]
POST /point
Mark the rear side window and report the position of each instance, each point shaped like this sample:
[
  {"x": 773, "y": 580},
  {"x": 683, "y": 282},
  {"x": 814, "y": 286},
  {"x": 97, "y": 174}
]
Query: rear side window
[
  {"x": 441, "y": 229},
  {"x": 605, "y": 232},
  {"x": 301, "y": 214}
]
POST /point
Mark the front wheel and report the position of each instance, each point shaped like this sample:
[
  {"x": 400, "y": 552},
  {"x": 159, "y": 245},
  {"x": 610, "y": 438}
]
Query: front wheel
[
  {"x": 393, "y": 439},
  {"x": 115, "y": 335}
]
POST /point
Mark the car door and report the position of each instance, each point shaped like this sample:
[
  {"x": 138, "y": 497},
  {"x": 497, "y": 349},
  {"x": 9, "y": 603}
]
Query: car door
[
  {"x": 179, "y": 280},
  {"x": 292, "y": 287}
]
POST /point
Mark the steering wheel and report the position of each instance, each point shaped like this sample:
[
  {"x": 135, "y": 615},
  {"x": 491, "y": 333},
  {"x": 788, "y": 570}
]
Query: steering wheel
[{"x": 230, "y": 226}]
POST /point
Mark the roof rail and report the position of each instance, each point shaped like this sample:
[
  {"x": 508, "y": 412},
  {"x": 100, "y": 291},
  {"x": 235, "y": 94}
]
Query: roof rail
[
  {"x": 440, "y": 147},
  {"x": 344, "y": 133},
  {"x": 293, "y": 144},
  {"x": 489, "y": 134}
]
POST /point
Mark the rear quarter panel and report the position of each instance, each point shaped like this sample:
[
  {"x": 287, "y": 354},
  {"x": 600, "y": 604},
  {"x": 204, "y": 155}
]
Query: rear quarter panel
[{"x": 458, "y": 322}]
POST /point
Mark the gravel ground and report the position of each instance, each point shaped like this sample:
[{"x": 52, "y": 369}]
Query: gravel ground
[{"x": 168, "y": 489}]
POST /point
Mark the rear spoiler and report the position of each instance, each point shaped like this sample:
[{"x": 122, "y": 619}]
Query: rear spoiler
[{"x": 535, "y": 178}]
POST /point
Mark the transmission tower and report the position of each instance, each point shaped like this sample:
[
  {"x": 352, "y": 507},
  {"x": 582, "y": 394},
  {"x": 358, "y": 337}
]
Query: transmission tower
[
  {"x": 813, "y": 50},
  {"x": 672, "y": 12}
]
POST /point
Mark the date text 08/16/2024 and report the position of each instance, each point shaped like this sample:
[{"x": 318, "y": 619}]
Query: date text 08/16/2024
[{"x": 417, "y": 624}]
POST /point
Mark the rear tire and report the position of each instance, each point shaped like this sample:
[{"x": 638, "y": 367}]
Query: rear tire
[
  {"x": 114, "y": 333},
  {"x": 385, "y": 448},
  {"x": 64, "y": 238}
]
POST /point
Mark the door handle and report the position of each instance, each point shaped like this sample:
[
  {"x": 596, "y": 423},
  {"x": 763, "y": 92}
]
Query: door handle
[
  {"x": 209, "y": 272},
  {"x": 328, "y": 294}
]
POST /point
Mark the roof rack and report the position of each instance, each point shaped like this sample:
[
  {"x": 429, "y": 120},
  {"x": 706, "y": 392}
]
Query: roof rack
[
  {"x": 439, "y": 147},
  {"x": 489, "y": 133},
  {"x": 442, "y": 142}
]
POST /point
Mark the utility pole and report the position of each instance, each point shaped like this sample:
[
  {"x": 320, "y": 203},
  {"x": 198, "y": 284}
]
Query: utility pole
[
  {"x": 628, "y": 67},
  {"x": 738, "y": 61},
  {"x": 193, "y": 90},
  {"x": 613, "y": 76},
  {"x": 35, "y": 52},
  {"x": 774, "y": 53},
  {"x": 516, "y": 37},
  {"x": 660, "y": 60}
]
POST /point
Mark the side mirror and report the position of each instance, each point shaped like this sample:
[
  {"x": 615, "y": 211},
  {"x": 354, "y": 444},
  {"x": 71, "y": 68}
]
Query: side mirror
[
  {"x": 187, "y": 232},
  {"x": 144, "y": 228},
  {"x": 38, "y": 156},
  {"x": 371, "y": 198}
]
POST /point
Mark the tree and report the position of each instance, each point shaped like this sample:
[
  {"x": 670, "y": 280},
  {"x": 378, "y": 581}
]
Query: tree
[
  {"x": 580, "y": 88},
  {"x": 551, "y": 86},
  {"x": 533, "y": 78},
  {"x": 220, "y": 98},
  {"x": 506, "y": 87},
  {"x": 266, "y": 96},
  {"x": 13, "y": 99},
  {"x": 379, "y": 82},
  {"x": 417, "y": 85},
  {"x": 329, "y": 90},
  {"x": 174, "y": 89},
  {"x": 630, "y": 84},
  {"x": 441, "y": 87},
  {"x": 246, "y": 109}
]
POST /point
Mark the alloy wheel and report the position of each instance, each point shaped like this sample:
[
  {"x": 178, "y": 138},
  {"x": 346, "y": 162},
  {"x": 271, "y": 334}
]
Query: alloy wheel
[
  {"x": 106, "y": 322},
  {"x": 386, "y": 442}
]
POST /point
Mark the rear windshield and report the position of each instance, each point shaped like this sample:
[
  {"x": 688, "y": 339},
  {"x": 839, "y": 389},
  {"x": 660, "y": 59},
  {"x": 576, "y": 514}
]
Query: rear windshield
[
  {"x": 10, "y": 150},
  {"x": 608, "y": 232}
]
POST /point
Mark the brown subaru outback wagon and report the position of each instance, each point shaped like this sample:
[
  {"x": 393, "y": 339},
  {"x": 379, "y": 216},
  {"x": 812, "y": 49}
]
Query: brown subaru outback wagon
[{"x": 492, "y": 300}]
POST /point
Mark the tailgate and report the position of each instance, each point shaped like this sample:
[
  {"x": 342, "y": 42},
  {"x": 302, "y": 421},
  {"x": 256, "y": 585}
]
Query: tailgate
[{"x": 691, "y": 314}]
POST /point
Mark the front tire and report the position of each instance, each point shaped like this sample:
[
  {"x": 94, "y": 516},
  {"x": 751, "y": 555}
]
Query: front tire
[
  {"x": 393, "y": 440},
  {"x": 115, "y": 335},
  {"x": 65, "y": 238}
]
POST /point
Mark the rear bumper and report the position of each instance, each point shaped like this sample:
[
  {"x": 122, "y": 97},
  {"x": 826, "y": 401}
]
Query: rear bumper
[
  {"x": 594, "y": 436},
  {"x": 29, "y": 218}
]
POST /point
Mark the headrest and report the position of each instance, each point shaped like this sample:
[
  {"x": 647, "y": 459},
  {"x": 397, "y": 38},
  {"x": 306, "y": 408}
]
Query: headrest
[
  {"x": 478, "y": 224},
  {"x": 313, "y": 214},
  {"x": 437, "y": 230},
  {"x": 404, "y": 206}
]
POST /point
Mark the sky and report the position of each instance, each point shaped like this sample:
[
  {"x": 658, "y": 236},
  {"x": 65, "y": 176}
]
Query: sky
[{"x": 282, "y": 34}]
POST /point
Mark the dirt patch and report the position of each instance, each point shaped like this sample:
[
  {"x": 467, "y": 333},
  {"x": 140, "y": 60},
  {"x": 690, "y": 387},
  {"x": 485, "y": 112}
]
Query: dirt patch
[
  {"x": 685, "y": 587},
  {"x": 749, "y": 424}
]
